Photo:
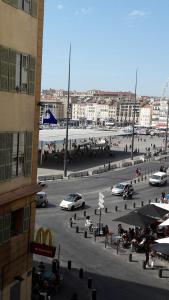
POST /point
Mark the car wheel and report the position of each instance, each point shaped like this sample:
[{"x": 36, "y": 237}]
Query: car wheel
[
  {"x": 72, "y": 208},
  {"x": 83, "y": 204}
]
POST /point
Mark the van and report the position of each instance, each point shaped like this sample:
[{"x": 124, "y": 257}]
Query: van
[
  {"x": 158, "y": 179},
  {"x": 41, "y": 199}
]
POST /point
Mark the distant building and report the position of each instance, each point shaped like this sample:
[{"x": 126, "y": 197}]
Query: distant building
[{"x": 145, "y": 118}]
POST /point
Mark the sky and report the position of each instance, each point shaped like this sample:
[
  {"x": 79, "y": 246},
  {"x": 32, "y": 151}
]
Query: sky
[{"x": 110, "y": 40}]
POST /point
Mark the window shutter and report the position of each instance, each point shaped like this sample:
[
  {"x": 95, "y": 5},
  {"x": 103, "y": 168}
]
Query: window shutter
[
  {"x": 7, "y": 227},
  {"x": 5, "y": 156},
  {"x": 12, "y": 70},
  {"x": 31, "y": 75},
  {"x": 12, "y": 2},
  {"x": 8, "y": 155},
  {"x": 2, "y": 156},
  {"x": 26, "y": 218},
  {"x": 34, "y": 8},
  {"x": 4, "y": 60},
  {"x": 1, "y": 229},
  {"x": 28, "y": 154}
]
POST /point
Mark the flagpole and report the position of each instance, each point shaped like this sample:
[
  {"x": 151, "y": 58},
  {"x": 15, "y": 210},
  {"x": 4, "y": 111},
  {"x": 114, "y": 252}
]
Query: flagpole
[{"x": 67, "y": 119}]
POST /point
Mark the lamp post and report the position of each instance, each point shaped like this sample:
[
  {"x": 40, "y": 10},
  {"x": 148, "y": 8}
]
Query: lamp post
[
  {"x": 67, "y": 120},
  {"x": 133, "y": 122},
  {"x": 166, "y": 133}
]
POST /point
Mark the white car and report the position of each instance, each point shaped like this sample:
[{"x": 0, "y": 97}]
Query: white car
[
  {"x": 118, "y": 189},
  {"x": 72, "y": 201},
  {"x": 41, "y": 199},
  {"x": 159, "y": 178}
]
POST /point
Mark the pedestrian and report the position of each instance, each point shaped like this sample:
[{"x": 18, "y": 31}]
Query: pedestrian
[
  {"x": 161, "y": 169},
  {"x": 147, "y": 254},
  {"x": 152, "y": 254}
]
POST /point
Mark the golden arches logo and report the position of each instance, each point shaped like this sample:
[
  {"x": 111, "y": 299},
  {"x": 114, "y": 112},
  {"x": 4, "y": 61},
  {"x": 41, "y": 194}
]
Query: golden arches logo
[{"x": 44, "y": 236}]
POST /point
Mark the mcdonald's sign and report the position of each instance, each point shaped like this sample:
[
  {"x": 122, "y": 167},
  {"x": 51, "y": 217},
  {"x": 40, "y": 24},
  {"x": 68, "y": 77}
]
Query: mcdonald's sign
[{"x": 43, "y": 244}]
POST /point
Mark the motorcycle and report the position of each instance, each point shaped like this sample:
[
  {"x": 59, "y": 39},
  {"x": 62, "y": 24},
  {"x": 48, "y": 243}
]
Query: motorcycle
[{"x": 127, "y": 195}]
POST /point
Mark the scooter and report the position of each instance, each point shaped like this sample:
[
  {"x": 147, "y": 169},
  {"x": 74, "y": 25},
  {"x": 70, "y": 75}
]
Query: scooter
[{"x": 127, "y": 195}]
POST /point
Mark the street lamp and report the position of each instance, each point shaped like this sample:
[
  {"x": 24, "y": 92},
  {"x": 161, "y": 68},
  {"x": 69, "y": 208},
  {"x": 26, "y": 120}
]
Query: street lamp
[
  {"x": 67, "y": 119},
  {"x": 133, "y": 122},
  {"x": 166, "y": 133}
]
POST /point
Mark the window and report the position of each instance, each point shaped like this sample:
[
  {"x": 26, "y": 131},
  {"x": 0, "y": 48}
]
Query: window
[
  {"x": 17, "y": 71},
  {"x": 16, "y": 222},
  {"x": 29, "y": 6},
  {"x": 15, "y": 154}
]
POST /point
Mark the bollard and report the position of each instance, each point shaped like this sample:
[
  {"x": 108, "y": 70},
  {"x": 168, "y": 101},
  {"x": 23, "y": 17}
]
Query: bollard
[
  {"x": 84, "y": 213},
  {"x": 134, "y": 180},
  {"x": 55, "y": 265},
  {"x": 70, "y": 222},
  {"x": 93, "y": 294},
  {"x": 130, "y": 257},
  {"x": 142, "y": 203},
  {"x": 89, "y": 283},
  {"x": 144, "y": 265},
  {"x": 81, "y": 273},
  {"x": 74, "y": 217},
  {"x": 77, "y": 229},
  {"x": 85, "y": 234},
  {"x": 125, "y": 206},
  {"x": 134, "y": 205},
  {"x": 160, "y": 273},
  {"x": 69, "y": 264},
  {"x": 95, "y": 211},
  {"x": 149, "y": 201},
  {"x": 141, "y": 178},
  {"x": 116, "y": 208},
  {"x": 138, "y": 179},
  {"x": 156, "y": 200},
  {"x": 105, "y": 209}
]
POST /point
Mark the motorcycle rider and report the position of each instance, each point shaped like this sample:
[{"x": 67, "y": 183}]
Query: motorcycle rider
[
  {"x": 127, "y": 191},
  {"x": 138, "y": 172}
]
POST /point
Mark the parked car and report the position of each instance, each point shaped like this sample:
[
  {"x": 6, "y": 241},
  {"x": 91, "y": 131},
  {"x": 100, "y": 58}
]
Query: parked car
[
  {"x": 72, "y": 201},
  {"x": 41, "y": 199},
  {"x": 119, "y": 188},
  {"x": 158, "y": 179}
]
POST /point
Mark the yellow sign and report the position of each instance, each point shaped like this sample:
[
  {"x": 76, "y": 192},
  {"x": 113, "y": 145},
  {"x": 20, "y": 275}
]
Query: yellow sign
[{"x": 44, "y": 236}]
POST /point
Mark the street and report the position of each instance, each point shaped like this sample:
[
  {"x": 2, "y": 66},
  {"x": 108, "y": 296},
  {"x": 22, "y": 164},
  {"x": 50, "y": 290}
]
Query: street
[{"x": 114, "y": 277}]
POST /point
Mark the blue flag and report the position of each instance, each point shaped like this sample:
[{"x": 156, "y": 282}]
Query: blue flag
[{"x": 50, "y": 119}]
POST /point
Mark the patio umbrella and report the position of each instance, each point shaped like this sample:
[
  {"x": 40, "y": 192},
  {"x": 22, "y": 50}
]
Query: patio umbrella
[
  {"x": 165, "y": 223},
  {"x": 152, "y": 210},
  {"x": 163, "y": 241},
  {"x": 162, "y": 248},
  {"x": 136, "y": 219},
  {"x": 162, "y": 205}
]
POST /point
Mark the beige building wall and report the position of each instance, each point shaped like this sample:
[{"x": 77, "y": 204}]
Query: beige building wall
[{"x": 19, "y": 112}]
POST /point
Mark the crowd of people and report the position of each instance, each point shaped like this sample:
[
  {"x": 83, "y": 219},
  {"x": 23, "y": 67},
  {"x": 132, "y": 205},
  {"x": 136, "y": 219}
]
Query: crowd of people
[{"x": 140, "y": 239}]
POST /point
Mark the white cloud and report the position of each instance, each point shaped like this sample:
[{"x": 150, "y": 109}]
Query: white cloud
[
  {"x": 83, "y": 11},
  {"x": 137, "y": 13},
  {"x": 59, "y": 6}
]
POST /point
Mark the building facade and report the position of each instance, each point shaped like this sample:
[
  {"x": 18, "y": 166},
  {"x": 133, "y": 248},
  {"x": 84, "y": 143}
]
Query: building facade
[
  {"x": 145, "y": 118},
  {"x": 21, "y": 23},
  {"x": 121, "y": 112}
]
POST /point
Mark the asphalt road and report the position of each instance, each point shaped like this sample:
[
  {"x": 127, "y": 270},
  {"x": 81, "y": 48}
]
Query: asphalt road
[{"x": 114, "y": 277}]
